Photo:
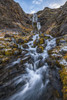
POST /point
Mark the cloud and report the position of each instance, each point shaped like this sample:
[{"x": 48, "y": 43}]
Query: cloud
[
  {"x": 54, "y": 5},
  {"x": 37, "y": 2},
  {"x": 32, "y": 11}
]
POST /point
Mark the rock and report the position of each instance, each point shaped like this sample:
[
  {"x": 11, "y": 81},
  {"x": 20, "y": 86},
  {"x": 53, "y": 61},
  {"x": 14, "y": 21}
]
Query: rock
[
  {"x": 55, "y": 20},
  {"x": 13, "y": 18},
  {"x": 40, "y": 58},
  {"x": 7, "y": 36},
  {"x": 36, "y": 42},
  {"x": 24, "y": 52},
  {"x": 20, "y": 41},
  {"x": 41, "y": 63},
  {"x": 25, "y": 59},
  {"x": 25, "y": 46},
  {"x": 39, "y": 49},
  {"x": 0, "y": 61},
  {"x": 8, "y": 52},
  {"x": 5, "y": 60},
  {"x": 31, "y": 61},
  {"x": 51, "y": 63},
  {"x": 17, "y": 52}
]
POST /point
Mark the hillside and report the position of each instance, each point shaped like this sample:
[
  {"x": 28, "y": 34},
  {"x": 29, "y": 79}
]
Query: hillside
[
  {"x": 13, "y": 17},
  {"x": 54, "y": 21}
]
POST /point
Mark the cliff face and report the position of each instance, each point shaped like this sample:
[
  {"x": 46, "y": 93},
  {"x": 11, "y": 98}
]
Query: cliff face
[
  {"x": 12, "y": 16},
  {"x": 54, "y": 21}
]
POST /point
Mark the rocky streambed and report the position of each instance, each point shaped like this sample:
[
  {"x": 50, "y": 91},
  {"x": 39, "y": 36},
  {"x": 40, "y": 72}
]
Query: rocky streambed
[{"x": 31, "y": 72}]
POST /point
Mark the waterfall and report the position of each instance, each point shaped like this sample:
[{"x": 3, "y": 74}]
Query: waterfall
[
  {"x": 35, "y": 83},
  {"x": 38, "y": 26},
  {"x": 35, "y": 20}
]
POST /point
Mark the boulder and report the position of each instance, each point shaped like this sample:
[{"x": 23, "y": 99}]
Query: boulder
[
  {"x": 7, "y": 36},
  {"x": 39, "y": 49},
  {"x": 25, "y": 46},
  {"x": 20, "y": 41}
]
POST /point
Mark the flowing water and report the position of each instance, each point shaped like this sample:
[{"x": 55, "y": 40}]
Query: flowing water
[{"x": 36, "y": 81}]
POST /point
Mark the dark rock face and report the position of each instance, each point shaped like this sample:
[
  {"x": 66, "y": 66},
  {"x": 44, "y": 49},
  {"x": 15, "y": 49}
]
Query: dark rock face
[
  {"x": 11, "y": 14},
  {"x": 54, "y": 21}
]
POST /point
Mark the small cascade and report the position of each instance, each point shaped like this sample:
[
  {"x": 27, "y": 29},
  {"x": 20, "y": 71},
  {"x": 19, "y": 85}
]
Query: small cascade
[
  {"x": 35, "y": 18},
  {"x": 35, "y": 23},
  {"x": 38, "y": 26}
]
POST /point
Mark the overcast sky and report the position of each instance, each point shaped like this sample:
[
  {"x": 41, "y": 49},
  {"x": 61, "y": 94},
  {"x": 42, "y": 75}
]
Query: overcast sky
[{"x": 32, "y": 6}]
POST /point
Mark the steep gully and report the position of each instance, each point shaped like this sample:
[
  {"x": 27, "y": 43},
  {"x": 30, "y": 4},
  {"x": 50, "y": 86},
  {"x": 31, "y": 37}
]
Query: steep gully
[{"x": 38, "y": 84}]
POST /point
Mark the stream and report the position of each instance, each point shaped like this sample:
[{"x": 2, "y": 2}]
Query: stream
[{"x": 37, "y": 83}]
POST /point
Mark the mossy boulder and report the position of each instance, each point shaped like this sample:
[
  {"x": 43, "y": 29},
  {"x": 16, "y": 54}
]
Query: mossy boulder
[
  {"x": 20, "y": 41},
  {"x": 8, "y": 52},
  {"x": 40, "y": 49},
  {"x": 38, "y": 42},
  {"x": 5, "y": 59}
]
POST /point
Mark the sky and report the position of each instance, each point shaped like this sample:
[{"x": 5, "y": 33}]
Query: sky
[{"x": 32, "y": 6}]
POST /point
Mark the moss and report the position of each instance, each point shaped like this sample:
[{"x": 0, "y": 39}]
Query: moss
[
  {"x": 46, "y": 37},
  {"x": 41, "y": 40},
  {"x": 41, "y": 35},
  {"x": 65, "y": 56},
  {"x": 8, "y": 52},
  {"x": 40, "y": 49},
  {"x": 57, "y": 41},
  {"x": 63, "y": 75},
  {"x": 5, "y": 59}
]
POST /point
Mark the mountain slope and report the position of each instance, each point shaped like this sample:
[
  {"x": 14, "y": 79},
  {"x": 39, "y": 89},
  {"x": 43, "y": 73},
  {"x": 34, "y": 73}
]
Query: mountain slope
[
  {"x": 54, "y": 21},
  {"x": 12, "y": 16}
]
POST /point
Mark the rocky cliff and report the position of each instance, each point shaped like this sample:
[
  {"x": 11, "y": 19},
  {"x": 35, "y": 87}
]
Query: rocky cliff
[
  {"x": 12, "y": 16},
  {"x": 54, "y": 21}
]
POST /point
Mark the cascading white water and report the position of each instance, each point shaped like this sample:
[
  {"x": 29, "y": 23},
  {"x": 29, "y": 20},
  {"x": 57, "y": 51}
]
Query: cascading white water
[
  {"x": 38, "y": 26},
  {"x": 35, "y": 20},
  {"x": 36, "y": 78},
  {"x": 34, "y": 84}
]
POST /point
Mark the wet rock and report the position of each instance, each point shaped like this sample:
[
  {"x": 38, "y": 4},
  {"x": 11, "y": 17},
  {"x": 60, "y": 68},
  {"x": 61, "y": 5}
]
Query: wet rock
[
  {"x": 13, "y": 45},
  {"x": 31, "y": 61},
  {"x": 36, "y": 42},
  {"x": 24, "y": 52},
  {"x": 40, "y": 58},
  {"x": 25, "y": 46},
  {"x": 41, "y": 63},
  {"x": 25, "y": 59},
  {"x": 17, "y": 52},
  {"x": 39, "y": 49},
  {"x": 51, "y": 63}
]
